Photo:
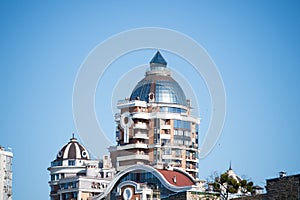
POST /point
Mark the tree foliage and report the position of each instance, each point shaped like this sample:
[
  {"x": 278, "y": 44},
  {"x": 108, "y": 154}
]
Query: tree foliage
[{"x": 226, "y": 185}]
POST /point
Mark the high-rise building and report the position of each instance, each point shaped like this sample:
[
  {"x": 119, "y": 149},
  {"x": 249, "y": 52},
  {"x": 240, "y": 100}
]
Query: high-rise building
[
  {"x": 5, "y": 174},
  {"x": 155, "y": 126},
  {"x": 156, "y": 156},
  {"x": 75, "y": 176}
]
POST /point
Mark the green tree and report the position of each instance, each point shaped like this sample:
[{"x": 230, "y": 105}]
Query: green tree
[{"x": 226, "y": 185}]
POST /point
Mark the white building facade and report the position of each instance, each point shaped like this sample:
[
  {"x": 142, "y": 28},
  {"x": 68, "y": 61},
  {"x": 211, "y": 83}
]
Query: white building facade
[
  {"x": 75, "y": 176},
  {"x": 5, "y": 174}
]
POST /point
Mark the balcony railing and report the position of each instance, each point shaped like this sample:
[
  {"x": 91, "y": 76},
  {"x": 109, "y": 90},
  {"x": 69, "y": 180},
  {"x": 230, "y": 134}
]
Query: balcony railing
[
  {"x": 140, "y": 135},
  {"x": 140, "y": 126},
  {"x": 133, "y": 157},
  {"x": 166, "y": 126}
]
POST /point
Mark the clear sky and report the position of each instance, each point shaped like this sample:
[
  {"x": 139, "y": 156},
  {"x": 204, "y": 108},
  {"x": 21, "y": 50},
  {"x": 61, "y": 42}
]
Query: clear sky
[{"x": 255, "y": 44}]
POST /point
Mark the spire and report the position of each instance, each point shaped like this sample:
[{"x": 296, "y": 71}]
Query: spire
[
  {"x": 158, "y": 59},
  {"x": 73, "y": 138},
  {"x": 230, "y": 166}
]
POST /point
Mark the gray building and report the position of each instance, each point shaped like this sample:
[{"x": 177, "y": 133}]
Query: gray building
[
  {"x": 284, "y": 187},
  {"x": 281, "y": 188}
]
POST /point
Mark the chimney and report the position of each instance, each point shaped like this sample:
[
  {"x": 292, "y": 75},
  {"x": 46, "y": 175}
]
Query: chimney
[{"x": 282, "y": 174}]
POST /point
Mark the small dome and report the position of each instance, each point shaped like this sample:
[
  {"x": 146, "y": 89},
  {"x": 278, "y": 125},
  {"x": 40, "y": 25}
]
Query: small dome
[
  {"x": 73, "y": 150},
  {"x": 158, "y": 85}
]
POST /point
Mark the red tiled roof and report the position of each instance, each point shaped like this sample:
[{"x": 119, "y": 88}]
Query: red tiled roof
[{"x": 181, "y": 178}]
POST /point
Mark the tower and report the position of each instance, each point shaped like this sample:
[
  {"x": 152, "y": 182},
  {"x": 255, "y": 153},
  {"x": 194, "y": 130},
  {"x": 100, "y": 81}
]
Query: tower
[
  {"x": 75, "y": 176},
  {"x": 155, "y": 126}
]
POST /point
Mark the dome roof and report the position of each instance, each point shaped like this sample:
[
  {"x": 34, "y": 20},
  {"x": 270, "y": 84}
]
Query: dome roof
[
  {"x": 73, "y": 150},
  {"x": 158, "y": 85}
]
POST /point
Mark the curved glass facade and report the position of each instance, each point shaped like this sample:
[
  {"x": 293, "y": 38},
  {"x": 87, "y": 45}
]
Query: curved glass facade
[
  {"x": 143, "y": 177},
  {"x": 141, "y": 91},
  {"x": 169, "y": 92},
  {"x": 172, "y": 110},
  {"x": 165, "y": 91}
]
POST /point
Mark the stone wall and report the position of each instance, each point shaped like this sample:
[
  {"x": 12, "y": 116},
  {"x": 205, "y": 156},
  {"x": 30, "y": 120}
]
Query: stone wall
[
  {"x": 284, "y": 188},
  {"x": 178, "y": 196},
  {"x": 255, "y": 197}
]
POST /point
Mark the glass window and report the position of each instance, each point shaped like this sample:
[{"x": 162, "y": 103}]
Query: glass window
[
  {"x": 178, "y": 141},
  {"x": 180, "y": 132},
  {"x": 178, "y": 153},
  {"x": 71, "y": 162},
  {"x": 165, "y": 142},
  {"x": 151, "y": 180},
  {"x": 141, "y": 91},
  {"x": 73, "y": 184},
  {"x": 182, "y": 124},
  {"x": 56, "y": 163},
  {"x": 175, "y": 132},
  {"x": 168, "y": 91},
  {"x": 187, "y": 133},
  {"x": 172, "y": 110},
  {"x": 186, "y": 143},
  {"x": 167, "y": 151}
]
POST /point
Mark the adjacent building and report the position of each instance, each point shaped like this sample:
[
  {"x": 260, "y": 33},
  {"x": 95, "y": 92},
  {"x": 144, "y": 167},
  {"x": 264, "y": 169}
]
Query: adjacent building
[
  {"x": 281, "y": 188},
  {"x": 5, "y": 174},
  {"x": 75, "y": 176},
  {"x": 284, "y": 187},
  {"x": 155, "y": 126}
]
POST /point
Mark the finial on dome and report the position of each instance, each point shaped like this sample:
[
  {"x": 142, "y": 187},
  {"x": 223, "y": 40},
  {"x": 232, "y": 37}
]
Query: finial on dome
[
  {"x": 158, "y": 59},
  {"x": 230, "y": 165},
  {"x": 73, "y": 137}
]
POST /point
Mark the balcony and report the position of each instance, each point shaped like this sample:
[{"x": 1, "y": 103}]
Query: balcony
[
  {"x": 165, "y": 136},
  {"x": 192, "y": 159},
  {"x": 192, "y": 168},
  {"x": 166, "y": 127},
  {"x": 140, "y": 115},
  {"x": 126, "y": 103},
  {"x": 193, "y": 148},
  {"x": 140, "y": 135},
  {"x": 177, "y": 165},
  {"x": 167, "y": 157},
  {"x": 133, "y": 146},
  {"x": 177, "y": 156},
  {"x": 133, "y": 157},
  {"x": 140, "y": 125}
]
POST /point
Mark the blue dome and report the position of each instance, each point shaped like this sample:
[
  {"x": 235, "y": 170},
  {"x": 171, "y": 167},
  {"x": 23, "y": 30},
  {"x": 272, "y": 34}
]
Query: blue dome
[{"x": 158, "y": 85}]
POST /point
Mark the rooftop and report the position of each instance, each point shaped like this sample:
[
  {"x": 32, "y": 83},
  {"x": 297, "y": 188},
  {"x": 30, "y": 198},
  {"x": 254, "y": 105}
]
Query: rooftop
[
  {"x": 176, "y": 178},
  {"x": 158, "y": 59}
]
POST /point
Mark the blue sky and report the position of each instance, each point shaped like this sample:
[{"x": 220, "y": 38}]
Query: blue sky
[{"x": 255, "y": 44}]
